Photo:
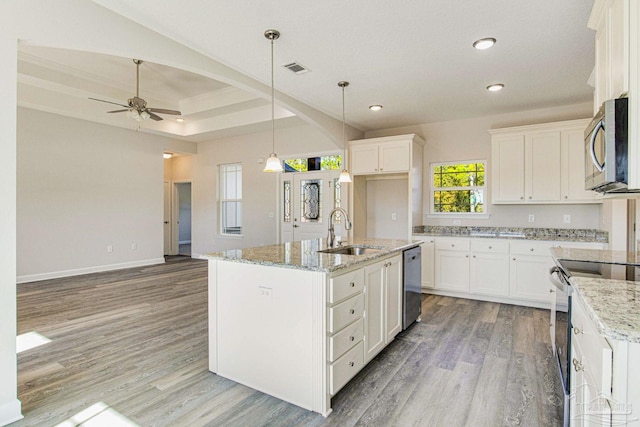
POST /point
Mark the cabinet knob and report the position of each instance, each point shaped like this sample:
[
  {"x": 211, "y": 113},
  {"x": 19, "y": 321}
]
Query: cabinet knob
[
  {"x": 577, "y": 365},
  {"x": 353, "y": 285},
  {"x": 566, "y": 197},
  {"x": 453, "y": 246},
  {"x": 577, "y": 331},
  {"x": 529, "y": 197},
  {"x": 514, "y": 259},
  {"x": 489, "y": 247},
  {"x": 352, "y": 338},
  {"x": 381, "y": 169},
  {"x": 466, "y": 256},
  {"x": 521, "y": 198},
  {"x": 473, "y": 256},
  {"x": 352, "y": 311},
  {"x": 531, "y": 249},
  {"x": 352, "y": 364},
  {"x": 551, "y": 291}
]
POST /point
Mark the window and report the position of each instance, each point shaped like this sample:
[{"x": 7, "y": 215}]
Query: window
[
  {"x": 324, "y": 163},
  {"x": 458, "y": 188},
  {"x": 231, "y": 199}
]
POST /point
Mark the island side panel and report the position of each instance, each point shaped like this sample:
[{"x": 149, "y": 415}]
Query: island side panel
[{"x": 264, "y": 336}]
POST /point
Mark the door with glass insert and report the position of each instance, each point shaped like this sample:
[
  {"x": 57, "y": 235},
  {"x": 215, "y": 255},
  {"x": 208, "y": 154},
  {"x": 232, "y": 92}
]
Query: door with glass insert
[{"x": 306, "y": 200}]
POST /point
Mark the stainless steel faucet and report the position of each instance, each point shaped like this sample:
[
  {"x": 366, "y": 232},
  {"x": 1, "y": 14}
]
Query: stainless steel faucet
[{"x": 331, "y": 237}]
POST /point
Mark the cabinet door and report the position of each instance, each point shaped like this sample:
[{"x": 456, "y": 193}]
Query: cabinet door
[
  {"x": 428, "y": 263},
  {"x": 452, "y": 270},
  {"x": 364, "y": 159},
  {"x": 374, "y": 330},
  {"x": 395, "y": 157},
  {"x": 542, "y": 167},
  {"x": 529, "y": 277},
  {"x": 508, "y": 168},
  {"x": 393, "y": 297},
  {"x": 618, "y": 43},
  {"x": 573, "y": 172},
  {"x": 489, "y": 274}
]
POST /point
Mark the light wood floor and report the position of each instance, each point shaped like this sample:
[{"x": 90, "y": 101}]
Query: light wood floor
[{"x": 136, "y": 340}]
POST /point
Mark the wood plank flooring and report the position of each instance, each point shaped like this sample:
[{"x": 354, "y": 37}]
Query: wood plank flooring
[{"x": 136, "y": 340}]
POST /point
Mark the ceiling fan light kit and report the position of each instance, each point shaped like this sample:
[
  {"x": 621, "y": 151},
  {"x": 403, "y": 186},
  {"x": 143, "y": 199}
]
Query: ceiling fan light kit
[{"x": 136, "y": 107}]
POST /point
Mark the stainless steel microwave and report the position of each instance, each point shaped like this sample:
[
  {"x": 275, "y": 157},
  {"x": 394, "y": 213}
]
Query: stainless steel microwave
[{"x": 606, "y": 144}]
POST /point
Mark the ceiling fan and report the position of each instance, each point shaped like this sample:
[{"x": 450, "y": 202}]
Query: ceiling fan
[{"x": 136, "y": 106}]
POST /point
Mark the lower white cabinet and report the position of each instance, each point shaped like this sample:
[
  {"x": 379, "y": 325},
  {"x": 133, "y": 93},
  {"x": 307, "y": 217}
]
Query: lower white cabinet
[
  {"x": 383, "y": 304},
  {"x": 428, "y": 261},
  {"x": 511, "y": 271}
]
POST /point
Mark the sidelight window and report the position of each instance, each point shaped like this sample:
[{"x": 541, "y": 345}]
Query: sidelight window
[
  {"x": 458, "y": 188},
  {"x": 231, "y": 199}
]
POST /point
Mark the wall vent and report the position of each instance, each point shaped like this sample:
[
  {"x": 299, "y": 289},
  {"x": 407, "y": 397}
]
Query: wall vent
[{"x": 296, "y": 68}]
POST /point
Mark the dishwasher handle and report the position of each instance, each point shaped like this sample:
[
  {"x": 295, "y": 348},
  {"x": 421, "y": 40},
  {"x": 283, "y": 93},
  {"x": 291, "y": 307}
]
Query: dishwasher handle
[{"x": 558, "y": 278}]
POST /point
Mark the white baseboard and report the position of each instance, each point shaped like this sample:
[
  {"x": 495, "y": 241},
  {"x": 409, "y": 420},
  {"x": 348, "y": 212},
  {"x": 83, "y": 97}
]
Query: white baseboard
[
  {"x": 10, "y": 412},
  {"x": 87, "y": 270}
]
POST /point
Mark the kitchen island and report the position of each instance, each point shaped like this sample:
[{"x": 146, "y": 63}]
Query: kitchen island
[{"x": 298, "y": 323}]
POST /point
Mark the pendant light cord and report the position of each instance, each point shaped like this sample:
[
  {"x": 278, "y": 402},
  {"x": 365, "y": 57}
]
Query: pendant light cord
[
  {"x": 344, "y": 141},
  {"x": 273, "y": 114}
]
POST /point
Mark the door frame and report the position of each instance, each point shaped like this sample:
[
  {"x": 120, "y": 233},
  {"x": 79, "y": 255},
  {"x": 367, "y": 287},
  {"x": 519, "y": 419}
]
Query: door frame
[{"x": 175, "y": 215}]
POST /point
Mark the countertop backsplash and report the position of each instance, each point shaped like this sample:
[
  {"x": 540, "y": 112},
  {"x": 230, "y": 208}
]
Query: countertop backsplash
[{"x": 569, "y": 234}]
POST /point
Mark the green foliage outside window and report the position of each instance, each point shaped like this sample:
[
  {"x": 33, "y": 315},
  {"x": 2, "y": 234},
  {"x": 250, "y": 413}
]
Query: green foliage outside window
[
  {"x": 326, "y": 163},
  {"x": 299, "y": 165},
  {"x": 458, "y": 188}
]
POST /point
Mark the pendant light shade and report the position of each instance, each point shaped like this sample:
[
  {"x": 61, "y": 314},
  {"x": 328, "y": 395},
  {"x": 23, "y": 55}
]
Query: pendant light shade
[
  {"x": 344, "y": 175},
  {"x": 273, "y": 162}
]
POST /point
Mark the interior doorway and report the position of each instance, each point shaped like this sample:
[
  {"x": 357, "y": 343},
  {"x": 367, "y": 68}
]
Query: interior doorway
[
  {"x": 167, "y": 218},
  {"x": 182, "y": 208}
]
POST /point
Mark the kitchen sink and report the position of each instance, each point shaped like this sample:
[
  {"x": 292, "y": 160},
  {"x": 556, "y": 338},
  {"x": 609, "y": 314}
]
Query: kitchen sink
[{"x": 351, "y": 250}]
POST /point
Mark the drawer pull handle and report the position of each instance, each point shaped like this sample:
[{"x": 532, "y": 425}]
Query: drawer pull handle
[
  {"x": 353, "y": 285},
  {"x": 453, "y": 246},
  {"x": 352, "y": 338},
  {"x": 351, "y": 364},
  {"x": 489, "y": 247},
  {"x": 551, "y": 291},
  {"x": 514, "y": 259},
  {"x": 577, "y": 365},
  {"x": 577, "y": 331},
  {"x": 531, "y": 249},
  {"x": 352, "y": 311}
]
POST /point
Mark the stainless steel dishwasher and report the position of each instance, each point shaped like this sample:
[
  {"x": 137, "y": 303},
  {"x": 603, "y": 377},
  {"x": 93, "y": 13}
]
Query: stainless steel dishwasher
[{"x": 412, "y": 278}]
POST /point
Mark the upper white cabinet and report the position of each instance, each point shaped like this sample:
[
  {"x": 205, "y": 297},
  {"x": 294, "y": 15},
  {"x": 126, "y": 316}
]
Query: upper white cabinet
[
  {"x": 617, "y": 67},
  {"x": 382, "y": 157},
  {"x": 539, "y": 164}
]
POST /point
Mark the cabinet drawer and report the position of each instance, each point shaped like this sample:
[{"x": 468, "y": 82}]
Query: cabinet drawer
[
  {"x": 345, "y": 368},
  {"x": 345, "y": 339},
  {"x": 490, "y": 246},
  {"x": 596, "y": 352},
  {"x": 530, "y": 247},
  {"x": 452, "y": 244},
  {"x": 345, "y": 285},
  {"x": 346, "y": 312}
]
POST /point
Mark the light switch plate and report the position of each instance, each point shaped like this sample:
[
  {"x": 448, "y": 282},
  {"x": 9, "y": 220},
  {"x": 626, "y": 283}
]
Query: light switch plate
[{"x": 532, "y": 217}]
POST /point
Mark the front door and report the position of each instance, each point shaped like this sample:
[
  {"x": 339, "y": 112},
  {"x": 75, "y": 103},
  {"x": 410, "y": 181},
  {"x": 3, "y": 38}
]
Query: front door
[{"x": 307, "y": 198}]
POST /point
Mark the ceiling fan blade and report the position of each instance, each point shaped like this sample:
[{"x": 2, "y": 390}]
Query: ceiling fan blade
[
  {"x": 109, "y": 102},
  {"x": 163, "y": 111},
  {"x": 154, "y": 116},
  {"x": 118, "y": 111}
]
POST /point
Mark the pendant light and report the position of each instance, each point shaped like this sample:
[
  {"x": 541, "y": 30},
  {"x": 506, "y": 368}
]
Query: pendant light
[
  {"x": 273, "y": 162},
  {"x": 344, "y": 175}
]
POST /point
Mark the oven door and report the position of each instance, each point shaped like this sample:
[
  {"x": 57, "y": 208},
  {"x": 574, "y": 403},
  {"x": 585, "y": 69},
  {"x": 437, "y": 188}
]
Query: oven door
[{"x": 562, "y": 323}]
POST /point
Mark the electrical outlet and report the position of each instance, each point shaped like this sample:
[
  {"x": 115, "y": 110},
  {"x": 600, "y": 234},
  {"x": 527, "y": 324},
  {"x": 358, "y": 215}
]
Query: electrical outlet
[
  {"x": 532, "y": 218},
  {"x": 134, "y": 246},
  {"x": 566, "y": 218},
  {"x": 109, "y": 248},
  {"x": 394, "y": 216},
  {"x": 457, "y": 222},
  {"x": 264, "y": 291}
]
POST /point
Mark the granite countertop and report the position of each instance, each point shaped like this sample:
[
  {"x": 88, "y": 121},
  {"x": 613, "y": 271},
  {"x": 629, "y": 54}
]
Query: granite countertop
[
  {"x": 563, "y": 234},
  {"x": 596, "y": 255},
  {"x": 612, "y": 305},
  {"x": 304, "y": 255}
]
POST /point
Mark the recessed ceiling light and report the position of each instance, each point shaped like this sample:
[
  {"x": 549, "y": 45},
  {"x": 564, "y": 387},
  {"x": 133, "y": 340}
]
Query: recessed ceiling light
[
  {"x": 180, "y": 119},
  {"x": 167, "y": 155},
  {"x": 495, "y": 87},
  {"x": 485, "y": 43},
  {"x": 376, "y": 107}
]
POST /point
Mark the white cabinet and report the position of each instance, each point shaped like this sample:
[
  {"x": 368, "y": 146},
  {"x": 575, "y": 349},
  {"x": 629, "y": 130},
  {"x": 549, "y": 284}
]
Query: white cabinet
[
  {"x": 489, "y": 267},
  {"x": 382, "y": 157},
  {"x": 428, "y": 261},
  {"x": 383, "y": 304},
  {"x": 529, "y": 270},
  {"x": 452, "y": 264},
  {"x": 610, "y": 19},
  {"x": 542, "y": 164}
]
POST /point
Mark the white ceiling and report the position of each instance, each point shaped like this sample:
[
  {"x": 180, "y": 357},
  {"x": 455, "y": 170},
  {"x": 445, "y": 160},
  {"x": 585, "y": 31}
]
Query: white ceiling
[{"x": 413, "y": 56}]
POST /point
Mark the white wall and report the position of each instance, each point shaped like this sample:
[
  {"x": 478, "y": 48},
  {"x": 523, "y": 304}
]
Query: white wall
[
  {"x": 260, "y": 189},
  {"x": 469, "y": 139},
  {"x": 386, "y": 197},
  {"x": 81, "y": 187}
]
